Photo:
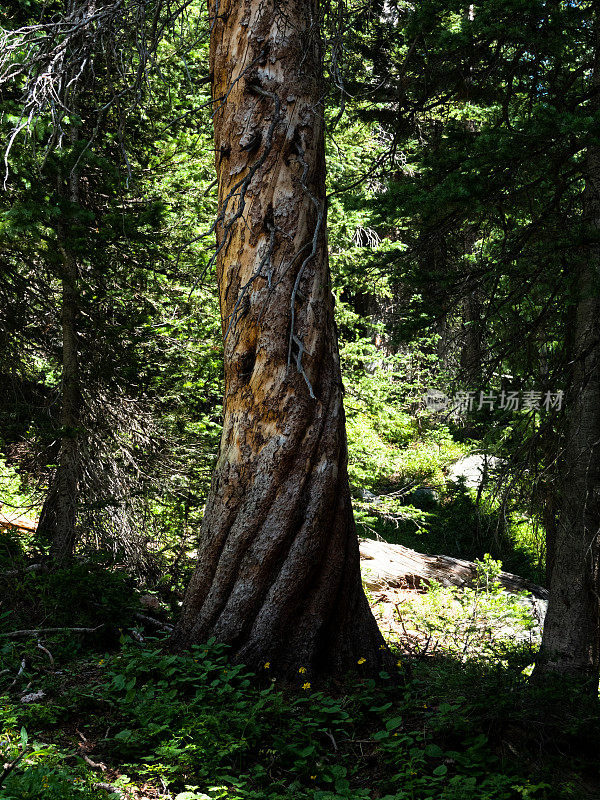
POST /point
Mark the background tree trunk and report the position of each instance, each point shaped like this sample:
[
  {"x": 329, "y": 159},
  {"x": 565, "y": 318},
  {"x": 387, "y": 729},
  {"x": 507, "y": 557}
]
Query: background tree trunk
[
  {"x": 278, "y": 574},
  {"x": 472, "y": 334},
  {"x": 571, "y": 639},
  {"x": 59, "y": 513}
]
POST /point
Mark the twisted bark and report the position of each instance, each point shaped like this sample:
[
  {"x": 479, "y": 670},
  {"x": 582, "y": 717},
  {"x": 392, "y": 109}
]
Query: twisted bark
[{"x": 278, "y": 574}]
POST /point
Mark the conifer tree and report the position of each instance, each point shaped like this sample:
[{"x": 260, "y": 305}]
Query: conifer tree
[{"x": 278, "y": 573}]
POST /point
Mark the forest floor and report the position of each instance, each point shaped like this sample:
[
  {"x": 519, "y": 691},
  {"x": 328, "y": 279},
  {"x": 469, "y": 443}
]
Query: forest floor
[{"x": 113, "y": 713}]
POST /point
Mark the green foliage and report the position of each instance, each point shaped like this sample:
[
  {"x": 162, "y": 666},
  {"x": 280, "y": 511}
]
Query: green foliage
[
  {"x": 45, "y": 776},
  {"x": 50, "y": 782},
  {"x": 204, "y": 727},
  {"x": 390, "y": 447},
  {"x": 483, "y": 622},
  {"x": 86, "y": 595},
  {"x": 11, "y": 489}
]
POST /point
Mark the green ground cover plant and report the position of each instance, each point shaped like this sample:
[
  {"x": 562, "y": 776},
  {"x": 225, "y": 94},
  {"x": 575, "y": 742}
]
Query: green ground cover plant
[{"x": 201, "y": 727}]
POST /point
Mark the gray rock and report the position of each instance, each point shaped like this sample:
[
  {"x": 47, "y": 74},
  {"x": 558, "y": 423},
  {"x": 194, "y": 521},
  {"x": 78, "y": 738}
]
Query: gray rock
[
  {"x": 471, "y": 469},
  {"x": 370, "y": 497},
  {"x": 423, "y": 494}
]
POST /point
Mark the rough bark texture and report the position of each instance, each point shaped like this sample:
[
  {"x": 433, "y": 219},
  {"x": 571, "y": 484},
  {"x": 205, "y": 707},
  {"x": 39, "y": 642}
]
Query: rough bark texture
[
  {"x": 58, "y": 516},
  {"x": 278, "y": 574},
  {"x": 571, "y": 640}
]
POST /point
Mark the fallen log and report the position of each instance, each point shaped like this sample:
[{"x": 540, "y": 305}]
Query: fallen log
[
  {"x": 13, "y": 521},
  {"x": 13, "y": 573},
  {"x": 386, "y": 565}
]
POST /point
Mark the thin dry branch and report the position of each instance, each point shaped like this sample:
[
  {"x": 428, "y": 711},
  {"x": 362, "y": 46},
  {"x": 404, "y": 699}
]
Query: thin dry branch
[
  {"x": 24, "y": 634},
  {"x": 50, "y": 65}
]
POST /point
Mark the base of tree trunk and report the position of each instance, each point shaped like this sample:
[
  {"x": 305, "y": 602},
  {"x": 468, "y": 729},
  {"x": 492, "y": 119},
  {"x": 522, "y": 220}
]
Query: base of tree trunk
[{"x": 310, "y": 618}]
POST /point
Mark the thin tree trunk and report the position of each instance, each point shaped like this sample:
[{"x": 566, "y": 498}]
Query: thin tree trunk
[
  {"x": 471, "y": 356},
  {"x": 471, "y": 352},
  {"x": 278, "y": 574},
  {"x": 571, "y": 639},
  {"x": 58, "y": 517},
  {"x": 549, "y": 521}
]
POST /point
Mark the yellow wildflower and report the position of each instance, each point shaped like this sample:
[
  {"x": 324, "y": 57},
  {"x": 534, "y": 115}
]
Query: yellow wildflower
[
  {"x": 267, "y": 665},
  {"x": 361, "y": 660},
  {"x": 306, "y": 685},
  {"x": 302, "y": 669}
]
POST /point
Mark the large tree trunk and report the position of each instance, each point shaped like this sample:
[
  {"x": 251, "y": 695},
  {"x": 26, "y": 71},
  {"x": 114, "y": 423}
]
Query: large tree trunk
[
  {"x": 571, "y": 640},
  {"x": 278, "y": 574},
  {"x": 58, "y": 516}
]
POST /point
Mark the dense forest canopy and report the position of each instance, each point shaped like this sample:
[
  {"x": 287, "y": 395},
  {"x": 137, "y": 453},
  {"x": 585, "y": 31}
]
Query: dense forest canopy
[{"x": 299, "y": 399}]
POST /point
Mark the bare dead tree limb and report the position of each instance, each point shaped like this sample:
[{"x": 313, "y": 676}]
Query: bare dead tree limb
[
  {"x": 24, "y": 634},
  {"x": 9, "y": 767},
  {"x": 50, "y": 63}
]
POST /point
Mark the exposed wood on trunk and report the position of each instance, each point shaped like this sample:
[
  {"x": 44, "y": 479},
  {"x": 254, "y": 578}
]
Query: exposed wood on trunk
[
  {"x": 385, "y": 565},
  {"x": 278, "y": 574}
]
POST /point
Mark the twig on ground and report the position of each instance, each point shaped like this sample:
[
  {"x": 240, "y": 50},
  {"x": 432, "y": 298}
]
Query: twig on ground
[
  {"x": 45, "y": 650},
  {"x": 93, "y": 764},
  {"x": 154, "y": 622},
  {"x": 19, "y": 673},
  {"x": 108, "y": 787},
  {"x": 333, "y": 742},
  {"x": 37, "y": 631}
]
